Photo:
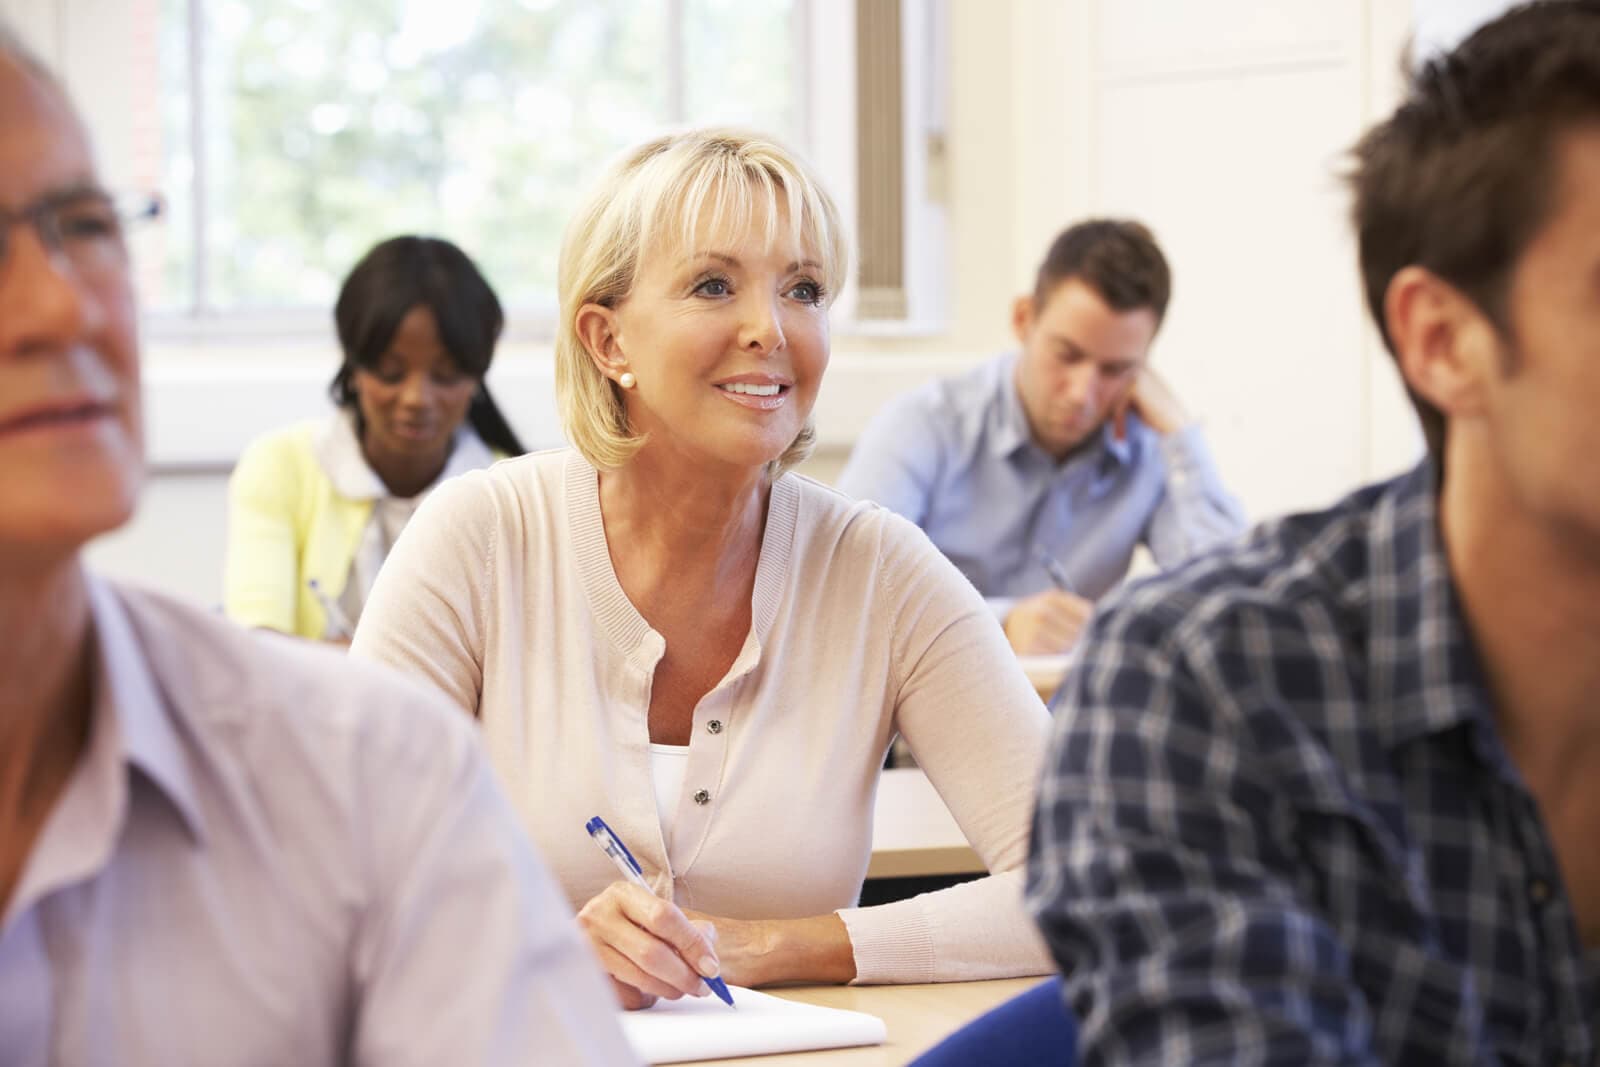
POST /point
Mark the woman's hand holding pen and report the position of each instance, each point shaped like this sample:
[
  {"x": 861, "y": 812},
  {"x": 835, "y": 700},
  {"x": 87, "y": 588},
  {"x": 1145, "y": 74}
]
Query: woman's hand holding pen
[
  {"x": 761, "y": 952},
  {"x": 758, "y": 952},
  {"x": 648, "y": 946}
]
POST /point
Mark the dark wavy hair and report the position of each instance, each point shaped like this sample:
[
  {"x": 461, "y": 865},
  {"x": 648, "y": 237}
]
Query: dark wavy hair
[
  {"x": 406, "y": 272},
  {"x": 1463, "y": 175}
]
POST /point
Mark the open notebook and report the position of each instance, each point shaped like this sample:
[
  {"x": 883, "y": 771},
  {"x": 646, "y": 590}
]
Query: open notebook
[{"x": 704, "y": 1028}]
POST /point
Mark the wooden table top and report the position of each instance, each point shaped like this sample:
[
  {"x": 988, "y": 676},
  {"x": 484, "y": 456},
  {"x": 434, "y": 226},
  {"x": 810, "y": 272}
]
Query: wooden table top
[{"x": 913, "y": 833}]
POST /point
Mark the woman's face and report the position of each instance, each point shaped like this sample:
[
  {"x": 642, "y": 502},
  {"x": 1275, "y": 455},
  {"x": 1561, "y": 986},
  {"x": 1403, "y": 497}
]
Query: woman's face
[
  {"x": 727, "y": 340},
  {"x": 414, "y": 396}
]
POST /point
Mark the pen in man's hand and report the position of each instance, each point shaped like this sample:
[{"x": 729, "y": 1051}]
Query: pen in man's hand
[{"x": 1058, "y": 573}]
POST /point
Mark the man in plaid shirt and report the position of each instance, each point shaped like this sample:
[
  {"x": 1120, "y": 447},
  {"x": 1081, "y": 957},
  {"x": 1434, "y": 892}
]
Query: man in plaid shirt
[{"x": 1333, "y": 795}]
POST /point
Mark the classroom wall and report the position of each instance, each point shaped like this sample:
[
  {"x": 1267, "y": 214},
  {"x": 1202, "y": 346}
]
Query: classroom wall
[
  {"x": 1220, "y": 124},
  {"x": 1223, "y": 125}
]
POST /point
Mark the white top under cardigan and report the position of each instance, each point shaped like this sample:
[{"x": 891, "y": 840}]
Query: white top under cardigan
[{"x": 501, "y": 593}]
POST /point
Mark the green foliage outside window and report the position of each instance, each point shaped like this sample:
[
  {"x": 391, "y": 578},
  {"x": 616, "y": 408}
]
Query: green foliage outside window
[{"x": 330, "y": 124}]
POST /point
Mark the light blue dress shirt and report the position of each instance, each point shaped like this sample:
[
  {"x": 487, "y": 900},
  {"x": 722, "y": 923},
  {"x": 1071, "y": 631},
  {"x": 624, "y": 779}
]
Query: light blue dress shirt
[
  {"x": 269, "y": 853},
  {"x": 957, "y": 458}
]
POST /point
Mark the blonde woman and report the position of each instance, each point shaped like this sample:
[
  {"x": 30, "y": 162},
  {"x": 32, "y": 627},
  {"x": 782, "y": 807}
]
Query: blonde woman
[{"x": 665, "y": 627}]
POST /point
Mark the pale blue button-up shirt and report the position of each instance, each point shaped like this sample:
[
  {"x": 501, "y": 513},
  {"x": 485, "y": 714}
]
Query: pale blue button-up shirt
[
  {"x": 271, "y": 854},
  {"x": 957, "y": 458}
]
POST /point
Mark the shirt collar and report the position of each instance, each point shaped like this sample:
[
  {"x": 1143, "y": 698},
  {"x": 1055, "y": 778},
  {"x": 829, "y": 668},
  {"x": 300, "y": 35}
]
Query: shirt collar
[
  {"x": 131, "y": 730},
  {"x": 129, "y": 703},
  {"x": 1119, "y": 450},
  {"x": 1009, "y": 431},
  {"x": 338, "y": 450},
  {"x": 1424, "y": 673}
]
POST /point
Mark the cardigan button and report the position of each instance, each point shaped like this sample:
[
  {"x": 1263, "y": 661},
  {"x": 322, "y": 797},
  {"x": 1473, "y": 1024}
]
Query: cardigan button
[
  {"x": 715, "y": 726},
  {"x": 702, "y": 797}
]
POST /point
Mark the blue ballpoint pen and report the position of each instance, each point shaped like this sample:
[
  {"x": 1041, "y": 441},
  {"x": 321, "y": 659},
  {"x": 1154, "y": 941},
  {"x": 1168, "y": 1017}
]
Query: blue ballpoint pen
[
  {"x": 612, "y": 846},
  {"x": 1057, "y": 573}
]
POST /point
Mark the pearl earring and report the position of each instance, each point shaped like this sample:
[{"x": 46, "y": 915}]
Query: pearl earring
[{"x": 627, "y": 380}]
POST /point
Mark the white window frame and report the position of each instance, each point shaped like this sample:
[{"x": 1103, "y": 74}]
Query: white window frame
[{"x": 82, "y": 38}]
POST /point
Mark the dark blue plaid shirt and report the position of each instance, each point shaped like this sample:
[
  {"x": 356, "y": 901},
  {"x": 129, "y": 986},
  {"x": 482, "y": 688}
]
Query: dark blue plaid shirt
[{"x": 1277, "y": 824}]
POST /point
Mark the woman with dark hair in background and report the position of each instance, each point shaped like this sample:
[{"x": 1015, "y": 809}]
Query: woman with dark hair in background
[{"x": 314, "y": 508}]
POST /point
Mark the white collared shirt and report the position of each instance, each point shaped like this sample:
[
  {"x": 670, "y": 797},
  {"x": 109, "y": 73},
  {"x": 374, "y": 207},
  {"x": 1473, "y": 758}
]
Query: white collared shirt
[
  {"x": 271, "y": 854},
  {"x": 337, "y": 446}
]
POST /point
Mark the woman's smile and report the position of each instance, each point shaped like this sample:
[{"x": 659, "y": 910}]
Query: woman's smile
[{"x": 758, "y": 392}]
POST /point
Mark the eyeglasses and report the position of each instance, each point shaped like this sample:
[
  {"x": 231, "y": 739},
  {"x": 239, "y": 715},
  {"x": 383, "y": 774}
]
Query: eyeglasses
[{"x": 85, "y": 228}]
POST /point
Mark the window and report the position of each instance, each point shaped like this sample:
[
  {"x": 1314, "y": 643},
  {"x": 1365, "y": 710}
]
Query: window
[
  {"x": 294, "y": 134},
  {"x": 1442, "y": 24}
]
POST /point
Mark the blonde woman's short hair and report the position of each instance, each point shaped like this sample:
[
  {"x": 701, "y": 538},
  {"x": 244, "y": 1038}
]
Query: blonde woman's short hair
[{"x": 652, "y": 200}]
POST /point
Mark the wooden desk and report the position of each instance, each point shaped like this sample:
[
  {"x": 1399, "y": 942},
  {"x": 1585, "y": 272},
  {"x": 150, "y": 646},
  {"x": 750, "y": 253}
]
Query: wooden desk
[
  {"x": 917, "y": 1017},
  {"x": 913, "y": 833},
  {"x": 1045, "y": 672}
]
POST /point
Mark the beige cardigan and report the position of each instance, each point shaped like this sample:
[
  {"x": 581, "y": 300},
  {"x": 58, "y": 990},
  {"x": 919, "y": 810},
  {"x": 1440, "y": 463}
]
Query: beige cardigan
[{"x": 501, "y": 593}]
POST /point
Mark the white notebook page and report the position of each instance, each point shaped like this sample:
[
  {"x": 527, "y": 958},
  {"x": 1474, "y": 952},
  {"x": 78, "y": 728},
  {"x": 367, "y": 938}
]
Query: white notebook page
[{"x": 704, "y": 1028}]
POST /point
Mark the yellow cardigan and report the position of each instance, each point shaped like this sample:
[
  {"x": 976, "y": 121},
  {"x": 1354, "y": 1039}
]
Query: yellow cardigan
[
  {"x": 288, "y": 522},
  {"x": 286, "y": 525}
]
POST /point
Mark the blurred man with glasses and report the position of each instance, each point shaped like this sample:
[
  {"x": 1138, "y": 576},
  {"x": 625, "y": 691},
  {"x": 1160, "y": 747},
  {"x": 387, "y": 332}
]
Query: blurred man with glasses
[{"x": 215, "y": 847}]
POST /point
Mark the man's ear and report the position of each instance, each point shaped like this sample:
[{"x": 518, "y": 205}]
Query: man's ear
[
  {"x": 1448, "y": 350},
  {"x": 1022, "y": 311},
  {"x": 596, "y": 327}
]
